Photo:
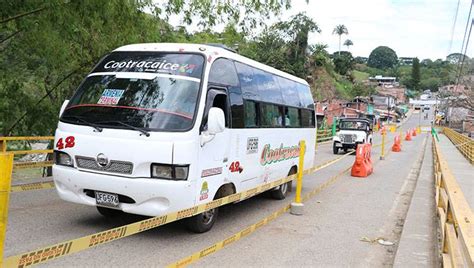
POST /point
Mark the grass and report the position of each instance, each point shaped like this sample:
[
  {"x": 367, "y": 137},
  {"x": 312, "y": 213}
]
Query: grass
[{"x": 360, "y": 76}]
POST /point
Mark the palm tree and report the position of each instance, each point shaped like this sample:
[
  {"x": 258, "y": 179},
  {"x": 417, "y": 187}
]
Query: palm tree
[
  {"x": 348, "y": 43},
  {"x": 340, "y": 30}
]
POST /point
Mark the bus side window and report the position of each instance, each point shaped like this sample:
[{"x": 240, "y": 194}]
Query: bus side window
[{"x": 220, "y": 101}]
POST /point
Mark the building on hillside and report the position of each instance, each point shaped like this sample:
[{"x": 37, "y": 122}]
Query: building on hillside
[
  {"x": 397, "y": 92},
  {"x": 405, "y": 61},
  {"x": 453, "y": 89},
  {"x": 384, "y": 81},
  {"x": 359, "y": 107}
]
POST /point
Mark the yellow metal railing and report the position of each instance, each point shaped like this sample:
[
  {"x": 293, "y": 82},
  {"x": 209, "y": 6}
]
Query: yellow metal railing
[
  {"x": 464, "y": 144},
  {"x": 19, "y": 165},
  {"x": 323, "y": 135},
  {"x": 455, "y": 216}
]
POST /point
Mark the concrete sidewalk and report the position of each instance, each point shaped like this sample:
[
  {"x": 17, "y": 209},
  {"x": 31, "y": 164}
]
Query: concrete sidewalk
[{"x": 462, "y": 170}]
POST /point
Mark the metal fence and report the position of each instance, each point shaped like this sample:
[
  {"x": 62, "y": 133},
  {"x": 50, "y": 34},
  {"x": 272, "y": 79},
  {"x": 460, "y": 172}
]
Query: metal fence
[
  {"x": 456, "y": 220},
  {"x": 464, "y": 144},
  {"x": 323, "y": 135},
  {"x": 4, "y": 148}
]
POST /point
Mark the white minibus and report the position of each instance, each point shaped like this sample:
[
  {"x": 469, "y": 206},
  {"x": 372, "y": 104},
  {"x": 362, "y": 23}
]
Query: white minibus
[{"x": 156, "y": 128}]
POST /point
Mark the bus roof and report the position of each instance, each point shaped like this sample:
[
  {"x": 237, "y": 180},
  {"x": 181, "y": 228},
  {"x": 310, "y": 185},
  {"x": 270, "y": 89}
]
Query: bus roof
[{"x": 208, "y": 50}]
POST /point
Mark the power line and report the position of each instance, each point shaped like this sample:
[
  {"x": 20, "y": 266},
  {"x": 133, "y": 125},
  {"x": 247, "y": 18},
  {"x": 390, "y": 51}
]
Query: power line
[
  {"x": 462, "y": 56},
  {"x": 454, "y": 26},
  {"x": 465, "y": 51}
]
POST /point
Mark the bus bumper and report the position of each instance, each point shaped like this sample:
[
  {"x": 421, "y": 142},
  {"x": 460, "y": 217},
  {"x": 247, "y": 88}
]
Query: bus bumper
[{"x": 143, "y": 196}]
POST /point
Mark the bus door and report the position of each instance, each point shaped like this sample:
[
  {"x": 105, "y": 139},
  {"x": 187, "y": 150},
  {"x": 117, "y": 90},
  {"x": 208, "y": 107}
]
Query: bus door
[{"x": 214, "y": 154}]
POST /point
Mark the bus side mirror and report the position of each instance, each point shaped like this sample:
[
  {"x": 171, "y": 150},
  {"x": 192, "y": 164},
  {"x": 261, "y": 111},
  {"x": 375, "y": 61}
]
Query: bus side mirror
[
  {"x": 215, "y": 121},
  {"x": 215, "y": 124},
  {"x": 63, "y": 107}
]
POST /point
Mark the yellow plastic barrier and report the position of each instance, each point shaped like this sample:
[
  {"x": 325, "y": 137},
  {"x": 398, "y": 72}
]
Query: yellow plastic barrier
[
  {"x": 464, "y": 144},
  {"x": 6, "y": 164},
  {"x": 456, "y": 218}
]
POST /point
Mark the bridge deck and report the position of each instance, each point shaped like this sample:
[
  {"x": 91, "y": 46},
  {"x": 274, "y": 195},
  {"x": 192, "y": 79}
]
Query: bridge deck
[{"x": 462, "y": 170}]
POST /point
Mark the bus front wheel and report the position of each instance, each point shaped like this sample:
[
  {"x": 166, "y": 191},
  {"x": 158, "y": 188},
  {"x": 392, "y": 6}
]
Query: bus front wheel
[{"x": 203, "y": 222}]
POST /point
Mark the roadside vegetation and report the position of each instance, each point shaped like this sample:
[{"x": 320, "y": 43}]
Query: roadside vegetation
[{"x": 48, "y": 47}]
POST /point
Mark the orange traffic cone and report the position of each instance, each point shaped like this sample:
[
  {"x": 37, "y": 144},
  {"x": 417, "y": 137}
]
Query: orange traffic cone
[
  {"x": 413, "y": 133},
  {"x": 397, "y": 147},
  {"x": 408, "y": 136}
]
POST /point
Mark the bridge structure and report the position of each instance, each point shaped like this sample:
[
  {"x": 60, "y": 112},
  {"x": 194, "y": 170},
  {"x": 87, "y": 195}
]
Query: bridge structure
[{"x": 414, "y": 210}]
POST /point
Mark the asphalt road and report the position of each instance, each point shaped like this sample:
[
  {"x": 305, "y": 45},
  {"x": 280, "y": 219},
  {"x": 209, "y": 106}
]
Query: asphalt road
[{"x": 40, "y": 218}]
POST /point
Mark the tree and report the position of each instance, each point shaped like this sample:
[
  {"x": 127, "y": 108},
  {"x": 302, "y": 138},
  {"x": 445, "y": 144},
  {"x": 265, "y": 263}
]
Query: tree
[
  {"x": 340, "y": 30},
  {"x": 382, "y": 57},
  {"x": 348, "y": 43},
  {"x": 415, "y": 74},
  {"x": 319, "y": 54},
  {"x": 48, "y": 47},
  {"x": 455, "y": 58},
  {"x": 343, "y": 62}
]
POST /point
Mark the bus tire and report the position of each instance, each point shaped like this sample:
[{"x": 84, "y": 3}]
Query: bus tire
[
  {"x": 283, "y": 189},
  {"x": 109, "y": 212},
  {"x": 203, "y": 222}
]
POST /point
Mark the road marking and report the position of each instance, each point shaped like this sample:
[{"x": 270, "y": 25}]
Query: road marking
[{"x": 252, "y": 228}]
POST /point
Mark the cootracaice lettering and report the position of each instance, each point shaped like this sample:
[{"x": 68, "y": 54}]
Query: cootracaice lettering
[{"x": 282, "y": 153}]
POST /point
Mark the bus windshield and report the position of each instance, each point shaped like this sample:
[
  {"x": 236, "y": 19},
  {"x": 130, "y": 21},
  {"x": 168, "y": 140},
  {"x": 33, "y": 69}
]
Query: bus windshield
[{"x": 150, "y": 100}]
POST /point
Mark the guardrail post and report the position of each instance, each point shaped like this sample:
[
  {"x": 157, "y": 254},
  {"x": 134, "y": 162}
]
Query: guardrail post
[
  {"x": 6, "y": 166},
  {"x": 382, "y": 155},
  {"x": 316, "y": 143},
  {"x": 3, "y": 146},
  {"x": 297, "y": 207}
]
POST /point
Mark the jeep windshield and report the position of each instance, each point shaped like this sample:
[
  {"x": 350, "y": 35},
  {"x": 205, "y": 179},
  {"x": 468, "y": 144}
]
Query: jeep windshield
[
  {"x": 354, "y": 125},
  {"x": 146, "y": 91}
]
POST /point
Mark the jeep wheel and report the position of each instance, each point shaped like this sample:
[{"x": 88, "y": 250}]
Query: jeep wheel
[{"x": 335, "y": 150}]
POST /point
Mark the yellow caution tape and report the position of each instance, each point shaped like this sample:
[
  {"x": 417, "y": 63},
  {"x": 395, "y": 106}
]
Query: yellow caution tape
[
  {"x": 66, "y": 248},
  {"x": 22, "y": 165},
  {"x": 32, "y": 186},
  {"x": 250, "y": 229}
]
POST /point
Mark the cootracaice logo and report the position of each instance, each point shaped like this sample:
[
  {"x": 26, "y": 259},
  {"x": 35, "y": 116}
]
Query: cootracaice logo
[
  {"x": 282, "y": 153},
  {"x": 151, "y": 65}
]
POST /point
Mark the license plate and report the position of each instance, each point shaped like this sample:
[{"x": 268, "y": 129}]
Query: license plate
[
  {"x": 106, "y": 199},
  {"x": 338, "y": 145}
]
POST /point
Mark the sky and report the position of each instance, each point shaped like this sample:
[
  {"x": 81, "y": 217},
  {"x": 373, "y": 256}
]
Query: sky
[{"x": 413, "y": 28}]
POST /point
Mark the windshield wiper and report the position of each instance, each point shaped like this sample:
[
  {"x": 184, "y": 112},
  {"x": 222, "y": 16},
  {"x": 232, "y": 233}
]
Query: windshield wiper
[
  {"x": 80, "y": 119},
  {"x": 144, "y": 132}
]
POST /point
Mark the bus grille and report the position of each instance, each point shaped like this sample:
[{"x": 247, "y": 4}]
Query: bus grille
[{"x": 114, "y": 166}]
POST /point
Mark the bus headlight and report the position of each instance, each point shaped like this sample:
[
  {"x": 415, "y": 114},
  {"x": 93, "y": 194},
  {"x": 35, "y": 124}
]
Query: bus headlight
[
  {"x": 63, "y": 159},
  {"x": 169, "y": 172}
]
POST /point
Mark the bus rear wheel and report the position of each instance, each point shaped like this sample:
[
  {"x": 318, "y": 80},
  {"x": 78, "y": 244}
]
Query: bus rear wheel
[{"x": 282, "y": 191}]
